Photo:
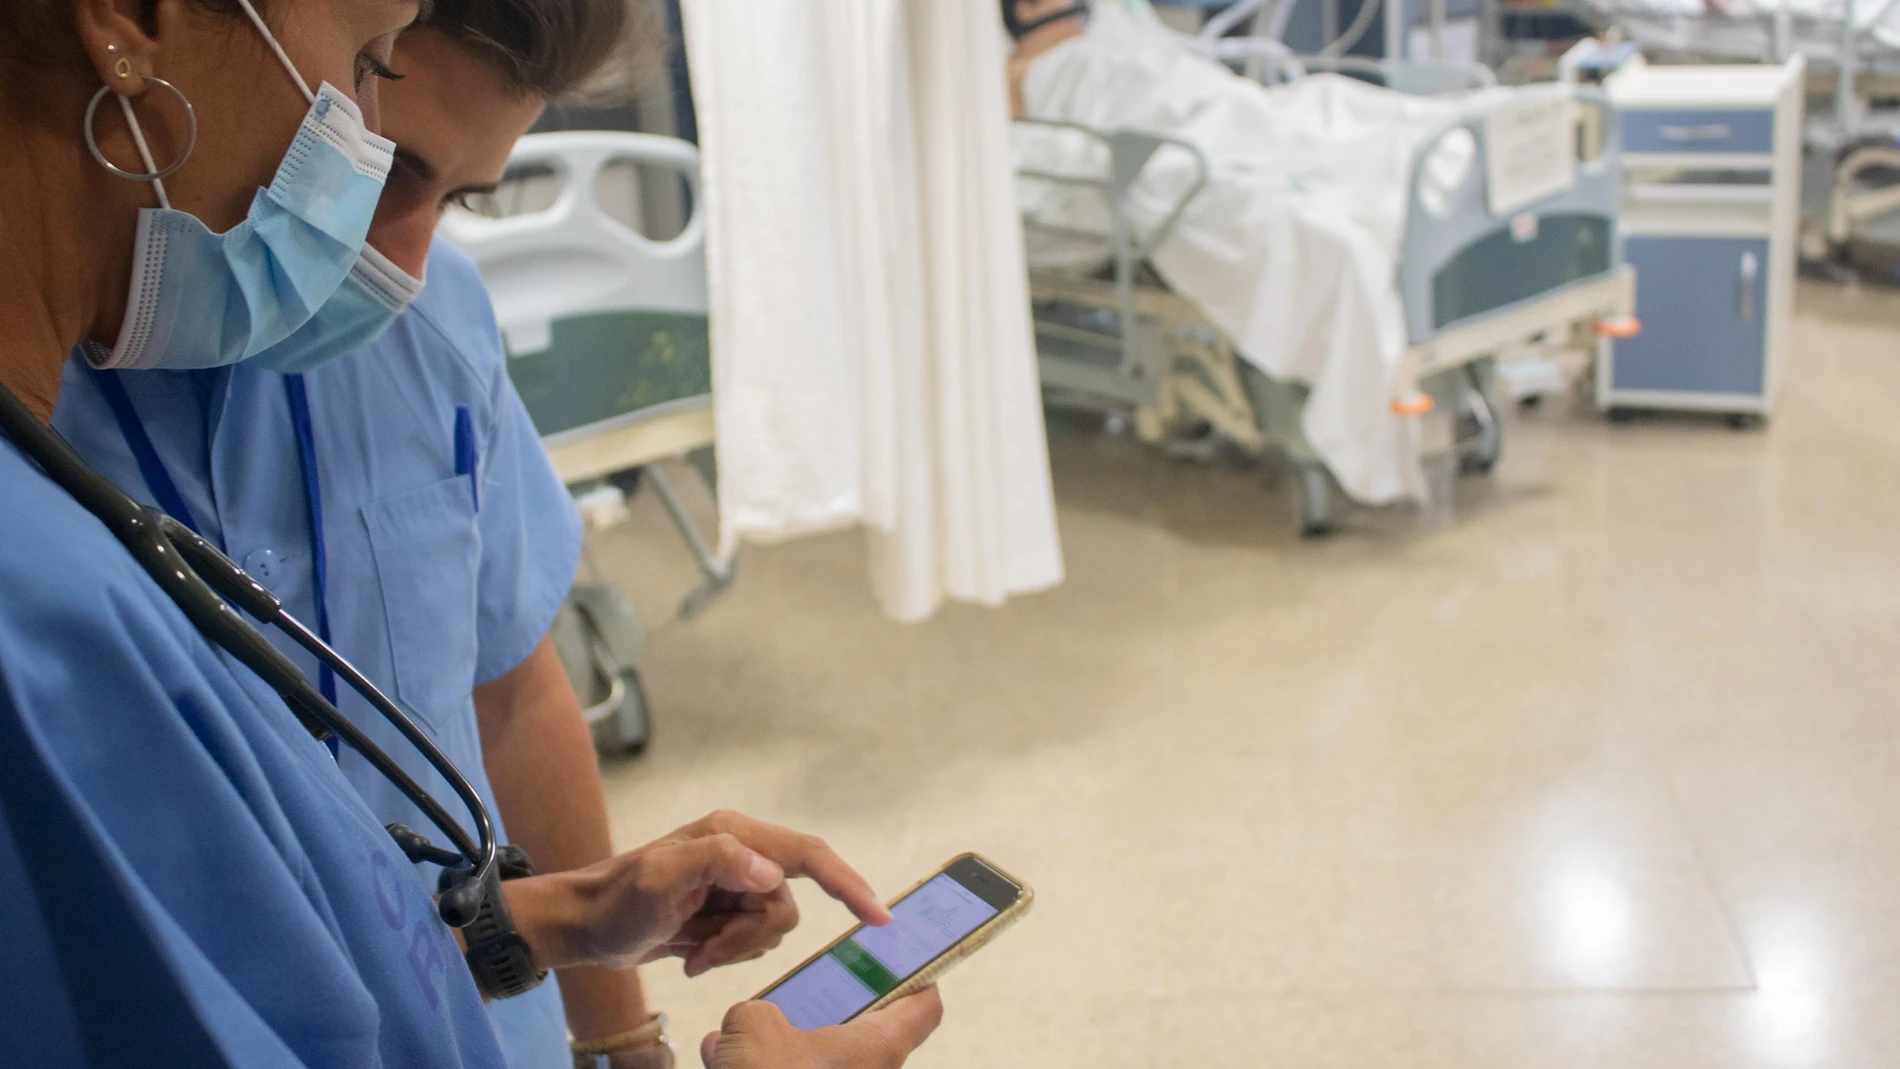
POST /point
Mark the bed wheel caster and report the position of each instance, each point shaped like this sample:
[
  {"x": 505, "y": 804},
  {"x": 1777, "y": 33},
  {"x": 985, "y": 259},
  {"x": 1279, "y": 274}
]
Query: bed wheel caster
[
  {"x": 626, "y": 732},
  {"x": 1621, "y": 415},
  {"x": 627, "y": 482},
  {"x": 1531, "y": 402},
  {"x": 1480, "y": 439},
  {"x": 1743, "y": 421},
  {"x": 1313, "y": 496},
  {"x": 600, "y": 640}
]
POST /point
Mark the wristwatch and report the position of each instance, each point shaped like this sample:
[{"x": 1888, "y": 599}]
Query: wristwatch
[
  {"x": 646, "y": 1047},
  {"x": 497, "y": 955}
]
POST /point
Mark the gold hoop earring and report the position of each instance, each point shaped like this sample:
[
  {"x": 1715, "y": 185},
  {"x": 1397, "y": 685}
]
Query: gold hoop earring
[{"x": 123, "y": 68}]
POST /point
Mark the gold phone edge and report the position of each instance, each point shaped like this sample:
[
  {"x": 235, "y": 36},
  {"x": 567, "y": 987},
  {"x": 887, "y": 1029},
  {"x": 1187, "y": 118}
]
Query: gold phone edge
[{"x": 969, "y": 945}]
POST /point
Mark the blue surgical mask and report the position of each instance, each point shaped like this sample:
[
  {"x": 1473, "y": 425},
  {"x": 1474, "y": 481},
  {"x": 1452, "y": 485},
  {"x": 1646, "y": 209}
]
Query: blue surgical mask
[
  {"x": 366, "y": 305},
  {"x": 201, "y": 300}
]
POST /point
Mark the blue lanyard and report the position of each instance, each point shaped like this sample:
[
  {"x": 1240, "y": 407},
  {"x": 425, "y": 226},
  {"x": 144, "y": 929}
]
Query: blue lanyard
[
  {"x": 172, "y": 503},
  {"x": 313, "y": 501}
]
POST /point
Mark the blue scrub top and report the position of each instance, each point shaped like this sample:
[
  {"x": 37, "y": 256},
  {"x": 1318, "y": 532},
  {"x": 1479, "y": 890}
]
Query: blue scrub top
[
  {"x": 428, "y": 593},
  {"x": 185, "y": 876}
]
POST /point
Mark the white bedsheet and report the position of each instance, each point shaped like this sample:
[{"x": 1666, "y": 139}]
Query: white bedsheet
[
  {"x": 1746, "y": 27},
  {"x": 1292, "y": 247}
]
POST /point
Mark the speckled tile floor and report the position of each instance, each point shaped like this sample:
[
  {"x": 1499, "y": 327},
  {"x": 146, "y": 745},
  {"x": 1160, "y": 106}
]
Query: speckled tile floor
[{"x": 1600, "y": 772}]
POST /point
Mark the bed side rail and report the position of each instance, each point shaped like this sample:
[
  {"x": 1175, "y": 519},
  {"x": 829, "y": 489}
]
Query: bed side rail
[
  {"x": 572, "y": 257},
  {"x": 1129, "y": 153},
  {"x": 1851, "y": 205},
  {"x": 1439, "y": 225}
]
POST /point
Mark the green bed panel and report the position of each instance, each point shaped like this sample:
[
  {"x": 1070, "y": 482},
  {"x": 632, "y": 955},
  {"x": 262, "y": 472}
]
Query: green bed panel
[
  {"x": 1499, "y": 270},
  {"x": 605, "y": 366}
]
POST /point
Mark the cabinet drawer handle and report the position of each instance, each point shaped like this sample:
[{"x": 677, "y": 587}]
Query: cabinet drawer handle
[
  {"x": 1715, "y": 131},
  {"x": 1745, "y": 287}
]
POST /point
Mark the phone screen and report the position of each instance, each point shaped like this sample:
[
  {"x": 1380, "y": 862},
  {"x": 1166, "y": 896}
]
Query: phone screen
[{"x": 872, "y": 962}]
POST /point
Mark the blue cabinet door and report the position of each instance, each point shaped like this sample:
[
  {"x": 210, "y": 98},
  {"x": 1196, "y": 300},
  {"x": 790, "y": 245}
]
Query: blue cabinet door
[{"x": 1703, "y": 302}]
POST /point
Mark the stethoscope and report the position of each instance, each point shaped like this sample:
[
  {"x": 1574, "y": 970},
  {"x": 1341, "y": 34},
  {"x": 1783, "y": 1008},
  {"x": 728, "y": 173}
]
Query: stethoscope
[{"x": 205, "y": 584}]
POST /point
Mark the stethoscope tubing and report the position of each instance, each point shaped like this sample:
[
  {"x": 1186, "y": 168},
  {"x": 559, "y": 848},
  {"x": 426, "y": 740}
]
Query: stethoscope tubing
[{"x": 204, "y": 583}]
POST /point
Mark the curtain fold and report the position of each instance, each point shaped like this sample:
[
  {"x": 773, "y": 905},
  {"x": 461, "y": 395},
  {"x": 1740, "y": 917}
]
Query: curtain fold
[{"x": 873, "y": 359}]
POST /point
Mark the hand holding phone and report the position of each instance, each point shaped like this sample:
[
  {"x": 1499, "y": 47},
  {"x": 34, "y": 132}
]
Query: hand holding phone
[
  {"x": 756, "y": 1035},
  {"x": 934, "y": 925}
]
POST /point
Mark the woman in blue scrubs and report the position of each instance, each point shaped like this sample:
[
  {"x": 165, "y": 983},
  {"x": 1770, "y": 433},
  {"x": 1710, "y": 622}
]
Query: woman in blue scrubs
[
  {"x": 447, "y": 542},
  {"x": 186, "y": 875}
]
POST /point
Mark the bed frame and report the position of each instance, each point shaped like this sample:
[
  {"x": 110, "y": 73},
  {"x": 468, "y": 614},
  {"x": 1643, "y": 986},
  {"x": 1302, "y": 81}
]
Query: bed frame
[
  {"x": 607, "y": 345},
  {"x": 1472, "y": 284}
]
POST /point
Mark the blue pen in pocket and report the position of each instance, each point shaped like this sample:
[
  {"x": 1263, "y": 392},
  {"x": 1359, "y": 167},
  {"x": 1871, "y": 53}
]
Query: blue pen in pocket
[{"x": 468, "y": 457}]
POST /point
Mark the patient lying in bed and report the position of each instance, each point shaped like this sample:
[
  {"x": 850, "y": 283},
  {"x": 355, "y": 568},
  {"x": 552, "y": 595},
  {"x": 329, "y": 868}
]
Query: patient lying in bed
[{"x": 1291, "y": 249}]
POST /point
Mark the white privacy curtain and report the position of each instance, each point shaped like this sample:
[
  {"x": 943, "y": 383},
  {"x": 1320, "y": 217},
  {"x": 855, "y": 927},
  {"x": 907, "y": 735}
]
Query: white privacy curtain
[{"x": 873, "y": 360}]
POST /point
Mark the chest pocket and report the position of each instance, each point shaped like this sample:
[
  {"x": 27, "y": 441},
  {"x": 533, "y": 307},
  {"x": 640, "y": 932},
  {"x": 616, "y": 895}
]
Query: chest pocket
[{"x": 428, "y": 555}]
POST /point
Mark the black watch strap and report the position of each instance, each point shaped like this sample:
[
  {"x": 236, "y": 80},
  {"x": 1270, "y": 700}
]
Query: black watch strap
[{"x": 497, "y": 955}]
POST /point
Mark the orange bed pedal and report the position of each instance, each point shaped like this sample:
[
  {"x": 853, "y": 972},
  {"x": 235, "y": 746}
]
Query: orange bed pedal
[
  {"x": 1417, "y": 404},
  {"x": 1619, "y": 327}
]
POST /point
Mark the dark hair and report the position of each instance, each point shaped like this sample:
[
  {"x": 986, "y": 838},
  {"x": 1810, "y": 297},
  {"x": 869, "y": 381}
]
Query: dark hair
[
  {"x": 39, "y": 35},
  {"x": 593, "y": 51},
  {"x": 1018, "y": 28}
]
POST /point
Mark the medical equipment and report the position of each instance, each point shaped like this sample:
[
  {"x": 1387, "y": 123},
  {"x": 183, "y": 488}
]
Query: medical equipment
[
  {"x": 1712, "y": 158},
  {"x": 1492, "y": 249},
  {"x": 206, "y": 585},
  {"x": 371, "y": 299},
  {"x": 1273, "y": 21},
  {"x": 606, "y": 336}
]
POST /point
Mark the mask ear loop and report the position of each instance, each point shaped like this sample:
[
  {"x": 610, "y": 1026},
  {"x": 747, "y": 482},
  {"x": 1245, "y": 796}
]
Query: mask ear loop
[
  {"x": 153, "y": 173},
  {"x": 271, "y": 40}
]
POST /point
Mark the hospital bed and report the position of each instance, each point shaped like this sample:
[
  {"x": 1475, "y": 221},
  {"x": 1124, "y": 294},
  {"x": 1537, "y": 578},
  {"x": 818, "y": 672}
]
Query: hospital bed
[
  {"x": 1760, "y": 31},
  {"x": 1473, "y": 283},
  {"x": 606, "y": 335}
]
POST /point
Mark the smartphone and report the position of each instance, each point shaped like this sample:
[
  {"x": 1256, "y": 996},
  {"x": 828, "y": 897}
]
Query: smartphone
[{"x": 934, "y": 925}]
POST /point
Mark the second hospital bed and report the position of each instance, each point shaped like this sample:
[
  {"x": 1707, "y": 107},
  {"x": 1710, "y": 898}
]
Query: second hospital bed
[
  {"x": 1473, "y": 281},
  {"x": 606, "y": 335},
  {"x": 1851, "y": 174}
]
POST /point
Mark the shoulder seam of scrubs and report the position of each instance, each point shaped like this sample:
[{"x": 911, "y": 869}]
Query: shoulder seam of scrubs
[{"x": 157, "y": 477}]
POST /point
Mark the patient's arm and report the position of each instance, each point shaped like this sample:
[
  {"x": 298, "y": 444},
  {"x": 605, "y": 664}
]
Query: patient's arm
[
  {"x": 1036, "y": 42},
  {"x": 1018, "y": 70}
]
